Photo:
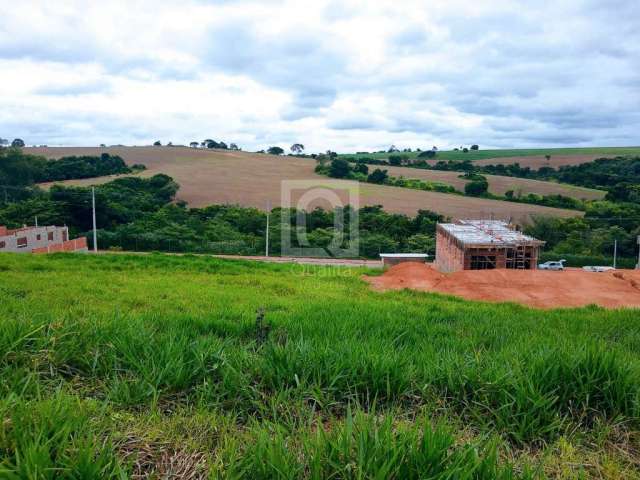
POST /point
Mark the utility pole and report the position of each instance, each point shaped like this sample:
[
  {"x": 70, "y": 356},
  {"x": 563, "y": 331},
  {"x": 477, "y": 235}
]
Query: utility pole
[
  {"x": 36, "y": 222},
  {"x": 266, "y": 248},
  {"x": 615, "y": 252},
  {"x": 93, "y": 205},
  {"x": 638, "y": 265}
]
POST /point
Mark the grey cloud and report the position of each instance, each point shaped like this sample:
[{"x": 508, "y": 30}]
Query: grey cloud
[
  {"x": 84, "y": 88},
  {"x": 565, "y": 74},
  {"x": 297, "y": 61}
]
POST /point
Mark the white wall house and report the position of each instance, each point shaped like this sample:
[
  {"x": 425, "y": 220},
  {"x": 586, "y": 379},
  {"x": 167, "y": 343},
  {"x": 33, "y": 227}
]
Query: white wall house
[{"x": 27, "y": 239}]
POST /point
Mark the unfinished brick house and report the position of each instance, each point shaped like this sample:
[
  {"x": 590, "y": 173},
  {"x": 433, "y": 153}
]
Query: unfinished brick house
[
  {"x": 484, "y": 245},
  {"x": 47, "y": 239}
]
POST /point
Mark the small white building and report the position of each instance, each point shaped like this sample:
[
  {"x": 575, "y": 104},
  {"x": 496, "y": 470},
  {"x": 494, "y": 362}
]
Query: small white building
[{"x": 39, "y": 240}]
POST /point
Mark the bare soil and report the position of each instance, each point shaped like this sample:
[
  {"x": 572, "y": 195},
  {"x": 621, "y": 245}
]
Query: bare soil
[
  {"x": 219, "y": 176},
  {"x": 535, "y": 288}
]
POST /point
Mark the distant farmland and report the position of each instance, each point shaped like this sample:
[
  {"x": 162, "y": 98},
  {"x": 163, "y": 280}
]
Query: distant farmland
[
  {"x": 498, "y": 184},
  {"x": 217, "y": 176},
  {"x": 532, "y": 157}
]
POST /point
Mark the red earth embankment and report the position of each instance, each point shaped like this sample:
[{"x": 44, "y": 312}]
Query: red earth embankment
[{"x": 541, "y": 289}]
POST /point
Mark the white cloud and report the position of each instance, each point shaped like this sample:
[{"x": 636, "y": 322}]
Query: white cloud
[{"x": 348, "y": 75}]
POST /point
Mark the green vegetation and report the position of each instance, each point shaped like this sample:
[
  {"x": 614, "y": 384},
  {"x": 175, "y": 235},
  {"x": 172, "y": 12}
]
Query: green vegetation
[
  {"x": 138, "y": 214},
  {"x": 472, "y": 155},
  {"x": 120, "y": 365},
  {"x": 594, "y": 234},
  {"x": 21, "y": 170}
]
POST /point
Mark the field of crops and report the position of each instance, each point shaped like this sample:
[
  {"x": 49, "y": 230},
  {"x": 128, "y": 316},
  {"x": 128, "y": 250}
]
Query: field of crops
[
  {"x": 532, "y": 157},
  {"x": 121, "y": 365}
]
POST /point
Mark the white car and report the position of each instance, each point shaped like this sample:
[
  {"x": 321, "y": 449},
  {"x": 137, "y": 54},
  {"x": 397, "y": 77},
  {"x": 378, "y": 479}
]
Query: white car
[{"x": 559, "y": 265}]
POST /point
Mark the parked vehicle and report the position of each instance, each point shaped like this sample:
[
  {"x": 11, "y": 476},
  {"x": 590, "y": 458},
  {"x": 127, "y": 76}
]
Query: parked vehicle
[{"x": 552, "y": 265}]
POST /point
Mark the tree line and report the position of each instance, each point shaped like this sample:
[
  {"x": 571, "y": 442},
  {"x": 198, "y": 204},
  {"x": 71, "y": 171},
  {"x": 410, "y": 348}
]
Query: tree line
[{"x": 18, "y": 169}]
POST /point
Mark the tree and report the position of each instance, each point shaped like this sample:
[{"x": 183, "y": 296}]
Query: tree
[
  {"x": 275, "y": 151},
  {"x": 361, "y": 168},
  {"x": 4, "y": 142},
  {"x": 421, "y": 243},
  {"x": 547, "y": 157},
  {"x": 373, "y": 244},
  {"x": 475, "y": 147},
  {"x": 20, "y": 169},
  {"x": 17, "y": 142},
  {"x": 392, "y": 149},
  {"x": 377, "y": 176},
  {"x": 297, "y": 148},
  {"x": 476, "y": 188},
  {"x": 209, "y": 143},
  {"x": 194, "y": 144},
  {"x": 157, "y": 143},
  {"x": 222, "y": 145},
  {"x": 395, "y": 160},
  {"x": 465, "y": 149},
  {"x": 322, "y": 160},
  {"x": 339, "y": 168},
  {"x": 427, "y": 154},
  {"x": 233, "y": 146}
]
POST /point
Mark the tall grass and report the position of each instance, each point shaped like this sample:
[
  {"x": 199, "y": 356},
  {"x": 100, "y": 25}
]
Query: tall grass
[{"x": 345, "y": 384}]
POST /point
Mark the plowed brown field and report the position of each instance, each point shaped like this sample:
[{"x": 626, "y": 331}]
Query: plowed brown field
[{"x": 217, "y": 176}]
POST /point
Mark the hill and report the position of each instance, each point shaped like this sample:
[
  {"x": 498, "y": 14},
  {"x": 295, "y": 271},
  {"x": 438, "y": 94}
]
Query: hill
[
  {"x": 532, "y": 157},
  {"x": 121, "y": 366},
  {"x": 218, "y": 176}
]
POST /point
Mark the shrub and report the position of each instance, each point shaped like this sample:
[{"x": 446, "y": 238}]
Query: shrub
[
  {"x": 339, "y": 168},
  {"x": 377, "y": 176},
  {"x": 476, "y": 188}
]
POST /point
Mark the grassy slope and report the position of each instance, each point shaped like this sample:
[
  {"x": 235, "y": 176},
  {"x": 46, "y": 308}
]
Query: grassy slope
[
  {"x": 517, "y": 152},
  {"x": 120, "y": 357}
]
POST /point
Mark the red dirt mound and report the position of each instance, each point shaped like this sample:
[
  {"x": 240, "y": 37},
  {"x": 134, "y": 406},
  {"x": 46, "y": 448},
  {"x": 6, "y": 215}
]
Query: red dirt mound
[{"x": 541, "y": 289}]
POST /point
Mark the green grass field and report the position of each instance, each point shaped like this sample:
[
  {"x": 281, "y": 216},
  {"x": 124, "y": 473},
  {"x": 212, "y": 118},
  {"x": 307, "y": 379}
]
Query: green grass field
[
  {"x": 487, "y": 154},
  {"x": 123, "y": 365}
]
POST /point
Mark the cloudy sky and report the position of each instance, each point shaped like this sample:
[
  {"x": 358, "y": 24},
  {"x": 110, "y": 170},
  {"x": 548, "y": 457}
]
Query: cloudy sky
[{"x": 347, "y": 75}]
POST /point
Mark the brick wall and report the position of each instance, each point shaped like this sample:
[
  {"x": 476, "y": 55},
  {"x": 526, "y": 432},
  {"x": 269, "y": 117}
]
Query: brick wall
[
  {"x": 75, "y": 245},
  {"x": 449, "y": 255}
]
